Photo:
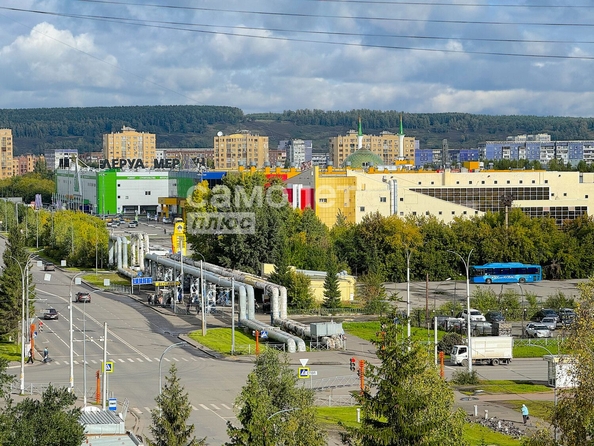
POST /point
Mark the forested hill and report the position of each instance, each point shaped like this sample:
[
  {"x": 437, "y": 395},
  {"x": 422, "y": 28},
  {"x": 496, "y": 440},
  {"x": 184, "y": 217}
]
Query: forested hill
[{"x": 34, "y": 130}]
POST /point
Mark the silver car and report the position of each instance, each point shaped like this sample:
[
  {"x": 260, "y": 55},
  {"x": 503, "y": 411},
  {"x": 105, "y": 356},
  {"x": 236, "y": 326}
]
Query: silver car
[
  {"x": 537, "y": 330},
  {"x": 549, "y": 322}
]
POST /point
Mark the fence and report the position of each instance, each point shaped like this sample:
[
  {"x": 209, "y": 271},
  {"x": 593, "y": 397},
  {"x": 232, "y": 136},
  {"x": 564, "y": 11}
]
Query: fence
[
  {"x": 335, "y": 400},
  {"x": 325, "y": 311},
  {"x": 39, "y": 388},
  {"x": 250, "y": 349},
  {"x": 335, "y": 382},
  {"x": 549, "y": 343},
  {"x": 121, "y": 289}
]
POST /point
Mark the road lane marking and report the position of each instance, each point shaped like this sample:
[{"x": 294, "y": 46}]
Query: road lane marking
[
  {"x": 215, "y": 406},
  {"x": 204, "y": 407},
  {"x": 176, "y": 360},
  {"x": 166, "y": 359},
  {"x": 226, "y": 407},
  {"x": 194, "y": 408},
  {"x": 121, "y": 360},
  {"x": 148, "y": 409},
  {"x": 76, "y": 362},
  {"x": 130, "y": 359},
  {"x": 139, "y": 360},
  {"x": 149, "y": 359},
  {"x": 93, "y": 361},
  {"x": 137, "y": 410},
  {"x": 185, "y": 359}
]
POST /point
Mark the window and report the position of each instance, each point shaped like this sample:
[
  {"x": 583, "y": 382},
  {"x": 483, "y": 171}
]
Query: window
[
  {"x": 419, "y": 183},
  {"x": 508, "y": 182},
  {"x": 585, "y": 196},
  {"x": 457, "y": 182},
  {"x": 453, "y": 212},
  {"x": 565, "y": 194},
  {"x": 464, "y": 212},
  {"x": 414, "y": 213},
  {"x": 119, "y": 197},
  {"x": 521, "y": 181},
  {"x": 401, "y": 199},
  {"x": 483, "y": 182},
  {"x": 546, "y": 181},
  {"x": 495, "y": 182},
  {"x": 533, "y": 181},
  {"x": 470, "y": 182},
  {"x": 362, "y": 208},
  {"x": 440, "y": 212},
  {"x": 147, "y": 192},
  {"x": 383, "y": 199},
  {"x": 426, "y": 212},
  {"x": 433, "y": 182},
  {"x": 323, "y": 200}
]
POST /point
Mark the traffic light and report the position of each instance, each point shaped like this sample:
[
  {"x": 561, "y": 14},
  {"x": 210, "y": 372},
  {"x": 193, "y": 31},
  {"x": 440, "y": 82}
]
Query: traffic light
[
  {"x": 353, "y": 364},
  {"x": 359, "y": 373}
]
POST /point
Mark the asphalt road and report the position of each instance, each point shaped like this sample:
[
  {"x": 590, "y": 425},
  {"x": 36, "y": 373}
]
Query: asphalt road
[{"x": 138, "y": 335}]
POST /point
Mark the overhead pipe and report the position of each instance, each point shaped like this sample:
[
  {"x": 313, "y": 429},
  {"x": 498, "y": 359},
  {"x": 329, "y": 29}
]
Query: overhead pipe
[
  {"x": 125, "y": 253},
  {"x": 119, "y": 252},
  {"x": 278, "y": 304},
  {"x": 293, "y": 342}
]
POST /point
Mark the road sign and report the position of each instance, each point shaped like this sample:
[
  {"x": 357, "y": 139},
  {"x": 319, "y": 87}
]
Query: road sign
[
  {"x": 107, "y": 366},
  {"x": 264, "y": 334},
  {"x": 112, "y": 404},
  {"x": 34, "y": 334},
  {"x": 313, "y": 373},
  {"x": 303, "y": 362},
  {"x": 163, "y": 283},
  {"x": 303, "y": 372},
  {"x": 142, "y": 280}
]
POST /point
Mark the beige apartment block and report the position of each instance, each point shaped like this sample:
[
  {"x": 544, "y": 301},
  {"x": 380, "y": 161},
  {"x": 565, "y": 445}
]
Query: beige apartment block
[
  {"x": 386, "y": 146},
  {"x": 25, "y": 163},
  {"x": 130, "y": 144},
  {"x": 240, "y": 149},
  {"x": 6, "y": 164}
]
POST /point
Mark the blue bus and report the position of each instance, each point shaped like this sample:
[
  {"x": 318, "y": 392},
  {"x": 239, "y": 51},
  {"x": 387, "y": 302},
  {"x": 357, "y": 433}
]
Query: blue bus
[{"x": 505, "y": 273}]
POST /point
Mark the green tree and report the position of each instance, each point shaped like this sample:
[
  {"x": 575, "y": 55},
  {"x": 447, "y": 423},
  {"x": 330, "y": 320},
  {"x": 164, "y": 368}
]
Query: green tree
[
  {"x": 170, "y": 417},
  {"x": 274, "y": 410},
  {"x": 372, "y": 293},
  {"x": 51, "y": 421},
  {"x": 405, "y": 401},
  {"x": 332, "y": 295},
  {"x": 299, "y": 292}
]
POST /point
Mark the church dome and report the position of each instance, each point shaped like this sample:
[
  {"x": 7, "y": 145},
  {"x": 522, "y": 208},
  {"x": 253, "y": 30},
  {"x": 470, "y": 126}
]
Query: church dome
[{"x": 363, "y": 158}]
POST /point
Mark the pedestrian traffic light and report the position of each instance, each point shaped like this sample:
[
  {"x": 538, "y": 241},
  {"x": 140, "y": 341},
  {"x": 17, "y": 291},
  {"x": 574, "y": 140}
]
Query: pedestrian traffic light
[
  {"x": 353, "y": 364},
  {"x": 359, "y": 373}
]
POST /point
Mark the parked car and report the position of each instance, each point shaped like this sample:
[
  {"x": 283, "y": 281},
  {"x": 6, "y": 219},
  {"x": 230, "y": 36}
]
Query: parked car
[
  {"x": 83, "y": 297},
  {"x": 50, "y": 314},
  {"x": 166, "y": 220},
  {"x": 48, "y": 266},
  {"x": 475, "y": 315},
  {"x": 550, "y": 322},
  {"x": 545, "y": 312},
  {"x": 133, "y": 224},
  {"x": 534, "y": 330},
  {"x": 494, "y": 316},
  {"x": 567, "y": 316},
  {"x": 114, "y": 224}
]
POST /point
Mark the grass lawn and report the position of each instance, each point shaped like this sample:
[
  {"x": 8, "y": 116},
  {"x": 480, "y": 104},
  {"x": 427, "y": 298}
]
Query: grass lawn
[
  {"x": 10, "y": 351},
  {"x": 474, "y": 434},
  {"x": 539, "y": 409},
  {"x": 219, "y": 339},
  {"x": 97, "y": 279},
  {"x": 504, "y": 386}
]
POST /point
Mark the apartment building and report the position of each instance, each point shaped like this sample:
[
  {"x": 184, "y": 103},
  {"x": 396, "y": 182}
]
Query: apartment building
[
  {"x": 6, "y": 165},
  {"x": 240, "y": 149},
  {"x": 386, "y": 145},
  {"x": 25, "y": 163},
  {"x": 130, "y": 144}
]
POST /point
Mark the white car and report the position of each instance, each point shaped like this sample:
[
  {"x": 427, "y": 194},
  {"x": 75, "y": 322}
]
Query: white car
[
  {"x": 475, "y": 315},
  {"x": 549, "y": 322},
  {"x": 537, "y": 330}
]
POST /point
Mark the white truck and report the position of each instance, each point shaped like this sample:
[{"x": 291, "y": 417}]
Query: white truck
[{"x": 492, "y": 350}]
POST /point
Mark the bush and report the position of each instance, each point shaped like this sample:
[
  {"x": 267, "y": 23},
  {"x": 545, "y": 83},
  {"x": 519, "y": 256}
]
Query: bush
[
  {"x": 448, "y": 341},
  {"x": 464, "y": 377}
]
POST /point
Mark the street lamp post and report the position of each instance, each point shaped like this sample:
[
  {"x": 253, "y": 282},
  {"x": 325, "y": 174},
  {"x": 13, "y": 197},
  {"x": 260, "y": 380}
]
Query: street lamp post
[
  {"x": 74, "y": 280},
  {"x": 523, "y": 311},
  {"x": 291, "y": 409},
  {"x": 467, "y": 265},
  {"x": 408, "y": 294},
  {"x": 435, "y": 294},
  {"x": 179, "y": 344},
  {"x": 202, "y": 293},
  {"x": 24, "y": 318}
]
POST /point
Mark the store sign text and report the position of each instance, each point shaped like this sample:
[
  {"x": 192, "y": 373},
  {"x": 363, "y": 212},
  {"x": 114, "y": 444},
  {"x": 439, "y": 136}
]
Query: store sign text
[{"x": 121, "y": 163}]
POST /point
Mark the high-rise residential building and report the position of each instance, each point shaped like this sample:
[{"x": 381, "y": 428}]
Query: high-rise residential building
[
  {"x": 6, "y": 166},
  {"x": 296, "y": 152},
  {"x": 240, "y": 149},
  {"x": 130, "y": 145},
  {"x": 386, "y": 145},
  {"x": 60, "y": 158}
]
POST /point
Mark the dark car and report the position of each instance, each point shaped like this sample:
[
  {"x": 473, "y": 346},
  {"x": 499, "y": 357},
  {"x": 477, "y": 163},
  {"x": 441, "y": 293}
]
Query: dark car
[
  {"x": 494, "y": 316},
  {"x": 481, "y": 328},
  {"x": 567, "y": 316},
  {"x": 49, "y": 266},
  {"x": 545, "y": 312},
  {"x": 83, "y": 297},
  {"x": 50, "y": 314}
]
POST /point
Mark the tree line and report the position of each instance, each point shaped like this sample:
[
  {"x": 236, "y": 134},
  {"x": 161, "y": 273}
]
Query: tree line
[{"x": 36, "y": 130}]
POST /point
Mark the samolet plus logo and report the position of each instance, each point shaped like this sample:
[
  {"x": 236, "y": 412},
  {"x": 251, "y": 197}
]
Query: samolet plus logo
[{"x": 224, "y": 199}]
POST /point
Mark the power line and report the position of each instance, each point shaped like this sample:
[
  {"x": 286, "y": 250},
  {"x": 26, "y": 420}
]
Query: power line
[
  {"x": 322, "y": 16},
  {"x": 146, "y": 23}
]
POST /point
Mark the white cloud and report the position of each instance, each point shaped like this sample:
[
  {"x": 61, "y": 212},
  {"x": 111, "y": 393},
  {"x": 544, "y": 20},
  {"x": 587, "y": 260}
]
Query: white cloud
[{"x": 468, "y": 64}]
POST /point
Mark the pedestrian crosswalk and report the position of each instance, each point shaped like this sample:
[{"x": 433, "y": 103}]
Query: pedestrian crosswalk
[
  {"x": 222, "y": 410},
  {"x": 128, "y": 359}
]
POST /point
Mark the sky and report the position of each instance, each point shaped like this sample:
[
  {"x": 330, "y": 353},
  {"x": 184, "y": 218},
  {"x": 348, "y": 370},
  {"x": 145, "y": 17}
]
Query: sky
[{"x": 509, "y": 57}]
